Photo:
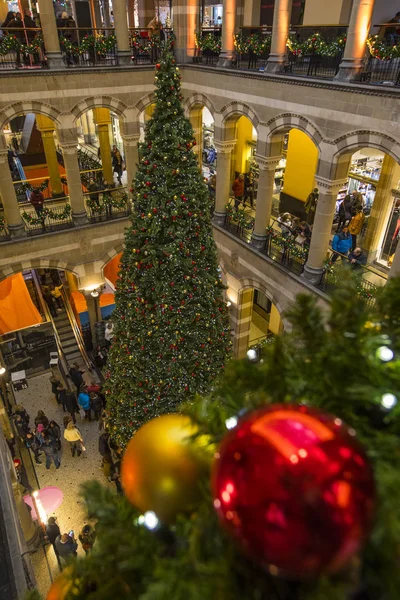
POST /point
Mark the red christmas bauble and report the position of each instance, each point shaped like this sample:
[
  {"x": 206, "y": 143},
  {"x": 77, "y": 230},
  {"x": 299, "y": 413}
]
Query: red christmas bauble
[{"x": 295, "y": 487}]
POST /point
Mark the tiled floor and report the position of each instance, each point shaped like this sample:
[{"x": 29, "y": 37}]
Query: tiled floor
[{"x": 73, "y": 471}]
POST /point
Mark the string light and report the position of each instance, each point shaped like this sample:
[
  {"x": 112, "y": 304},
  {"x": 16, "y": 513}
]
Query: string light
[
  {"x": 388, "y": 400},
  {"x": 385, "y": 354},
  {"x": 252, "y": 354},
  {"x": 231, "y": 422}
]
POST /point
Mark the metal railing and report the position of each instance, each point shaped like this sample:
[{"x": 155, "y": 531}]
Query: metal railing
[
  {"x": 381, "y": 71},
  {"x": 45, "y": 220},
  {"x": 22, "y": 48},
  {"x": 312, "y": 65},
  {"x": 4, "y": 233},
  {"x": 108, "y": 204},
  {"x": 88, "y": 47}
]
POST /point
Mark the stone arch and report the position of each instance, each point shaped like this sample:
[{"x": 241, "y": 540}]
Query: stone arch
[
  {"x": 198, "y": 100},
  {"x": 247, "y": 283},
  {"x": 110, "y": 254},
  {"x": 235, "y": 110},
  {"x": 353, "y": 141},
  {"x": 18, "y": 108},
  {"x": 144, "y": 102},
  {"x": 99, "y": 102},
  {"x": 37, "y": 263},
  {"x": 285, "y": 122}
]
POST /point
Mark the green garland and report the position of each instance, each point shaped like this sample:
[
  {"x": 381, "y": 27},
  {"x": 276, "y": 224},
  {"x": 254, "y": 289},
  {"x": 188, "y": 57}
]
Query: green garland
[
  {"x": 381, "y": 50},
  {"x": 240, "y": 217},
  {"x": 208, "y": 43},
  {"x": 288, "y": 244},
  {"x": 48, "y": 212},
  {"x": 316, "y": 44},
  {"x": 335, "y": 272},
  {"x": 97, "y": 44},
  {"x": 10, "y": 43},
  {"x": 109, "y": 199},
  {"x": 252, "y": 43}
]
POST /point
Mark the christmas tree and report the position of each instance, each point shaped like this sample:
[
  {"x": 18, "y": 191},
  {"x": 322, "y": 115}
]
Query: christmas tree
[
  {"x": 343, "y": 362},
  {"x": 172, "y": 333}
]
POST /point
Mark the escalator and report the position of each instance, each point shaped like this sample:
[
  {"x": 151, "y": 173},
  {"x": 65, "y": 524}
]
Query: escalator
[{"x": 68, "y": 335}]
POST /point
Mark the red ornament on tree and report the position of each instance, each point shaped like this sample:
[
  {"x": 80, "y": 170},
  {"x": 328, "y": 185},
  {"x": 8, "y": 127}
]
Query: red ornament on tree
[{"x": 295, "y": 488}]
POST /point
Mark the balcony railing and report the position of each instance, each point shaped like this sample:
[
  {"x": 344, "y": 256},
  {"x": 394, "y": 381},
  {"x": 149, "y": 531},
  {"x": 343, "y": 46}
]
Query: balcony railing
[
  {"x": 46, "y": 219},
  {"x": 107, "y": 204},
  {"x": 382, "y": 61},
  {"x": 22, "y": 48},
  {"x": 83, "y": 47}
]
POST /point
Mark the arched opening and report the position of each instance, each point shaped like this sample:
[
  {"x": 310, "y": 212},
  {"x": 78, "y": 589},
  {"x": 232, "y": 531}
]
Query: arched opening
[
  {"x": 144, "y": 116},
  {"x": 203, "y": 125},
  {"x": 258, "y": 320},
  {"x": 370, "y": 199}
]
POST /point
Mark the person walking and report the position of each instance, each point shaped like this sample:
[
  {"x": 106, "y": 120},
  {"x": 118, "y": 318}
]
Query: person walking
[
  {"x": 96, "y": 404},
  {"x": 355, "y": 226},
  {"x": 76, "y": 375},
  {"x": 74, "y": 437},
  {"x": 36, "y": 198},
  {"x": 52, "y": 533},
  {"x": 54, "y": 387},
  {"x": 33, "y": 443},
  {"x": 109, "y": 333},
  {"x": 66, "y": 546},
  {"x": 56, "y": 292},
  {"x": 62, "y": 393},
  {"x": 84, "y": 403},
  {"x": 344, "y": 213},
  {"x": 94, "y": 189},
  {"x": 48, "y": 298},
  {"x": 71, "y": 405},
  {"x": 117, "y": 163},
  {"x": 21, "y": 426},
  {"x": 54, "y": 433},
  {"x": 310, "y": 205},
  {"x": 341, "y": 244},
  {"x": 50, "y": 448},
  {"x": 87, "y": 538},
  {"x": 41, "y": 419},
  {"x": 238, "y": 190}
]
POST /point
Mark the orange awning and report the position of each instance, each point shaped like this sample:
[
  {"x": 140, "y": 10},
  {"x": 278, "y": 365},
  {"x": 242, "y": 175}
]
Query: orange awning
[
  {"x": 106, "y": 299},
  {"x": 17, "y": 310},
  {"x": 78, "y": 301}
]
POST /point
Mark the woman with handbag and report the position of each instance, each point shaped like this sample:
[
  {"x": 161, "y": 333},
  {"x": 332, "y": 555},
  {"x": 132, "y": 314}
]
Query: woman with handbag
[{"x": 74, "y": 437}]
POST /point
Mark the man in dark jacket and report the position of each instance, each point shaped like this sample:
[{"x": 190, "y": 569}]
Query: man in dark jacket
[
  {"x": 33, "y": 443},
  {"x": 52, "y": 532},
  {"x": 48, "y": 298},
  {"x": 37, "y": 200},
  {"x": 76, "y": 377},
  {"x": 71, "y": 405},
  {"x": 50, "y": 448},
  {"x": 344, "y": 212},
  {"x": 357, "y": 259},
  {"x": 66, "y": 546}
]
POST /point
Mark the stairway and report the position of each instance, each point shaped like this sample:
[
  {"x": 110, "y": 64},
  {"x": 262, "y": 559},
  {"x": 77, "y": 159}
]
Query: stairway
[{"x": 67, "y": 338}]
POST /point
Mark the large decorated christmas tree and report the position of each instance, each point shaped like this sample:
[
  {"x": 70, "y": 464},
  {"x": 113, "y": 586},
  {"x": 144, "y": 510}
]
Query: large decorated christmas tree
[
  {"x": 286, "y": 485},
  {"x": 172, "y": 334}
]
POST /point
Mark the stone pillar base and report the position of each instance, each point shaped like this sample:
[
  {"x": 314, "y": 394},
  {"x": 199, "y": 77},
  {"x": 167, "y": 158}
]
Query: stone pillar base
[
  {"x": 226, "y": 59},
  {"x": 181, "y": 56},
  {"x": 275, "y": 63},
  {"x": 124, "y": 57},
  {"x": 313, "y": 275},
  {"x": 17, "y": 231},
  {"x": 349, "y": 69},
  {"x": 55, "y": 60},
  {"x": 219, "y": 218},
  {"x": 258, "y": 241},
  {"x": 80, "y": 218},
  {"x": 60, "y": 195}
]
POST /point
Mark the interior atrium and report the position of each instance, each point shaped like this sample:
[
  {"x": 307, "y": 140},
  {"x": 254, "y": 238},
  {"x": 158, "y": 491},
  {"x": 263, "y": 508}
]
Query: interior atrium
[{"x": 296, "y": 133}]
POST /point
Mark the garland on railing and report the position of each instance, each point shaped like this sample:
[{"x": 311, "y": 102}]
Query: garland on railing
[
  {"x": 97, "y": 44},
  {"x": 287, "y": 243},
  {"x": 333, "y": 271},
  {"x": 110, "y": 199},
  {"x": 316, "y": 44},
  {"x": 252, "y": 43},
  {"x": 240, "y": 217},
  {"x": 47, "y": 212},
  {"x": 10, "y": 43},
  {"x": 208, "y": 43},
  {"x": 381, "y": 50},
  {"x": 25, "y": 186}
]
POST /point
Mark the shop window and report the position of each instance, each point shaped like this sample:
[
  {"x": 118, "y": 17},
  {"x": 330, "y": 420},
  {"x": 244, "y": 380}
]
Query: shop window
[{"x": 392, "y": 234}]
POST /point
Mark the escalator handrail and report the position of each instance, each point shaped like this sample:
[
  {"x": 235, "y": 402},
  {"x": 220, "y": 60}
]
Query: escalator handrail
[
  {"x": 49, "y": 318},
  {"x": 76, "y": 330}
]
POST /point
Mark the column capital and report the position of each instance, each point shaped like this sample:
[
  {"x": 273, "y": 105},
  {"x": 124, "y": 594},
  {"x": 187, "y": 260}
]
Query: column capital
[
  {"x": 328, "y": 186},
  {"x": 224, "y": 147},
  {"x": 69, "y": 147},
  {"x": 130, "y": 139},
  {"x": 267, "y": 163}
]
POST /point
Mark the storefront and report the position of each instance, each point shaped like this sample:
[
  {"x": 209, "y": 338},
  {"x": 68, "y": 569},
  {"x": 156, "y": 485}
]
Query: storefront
[{"x": 392, "y": 232}]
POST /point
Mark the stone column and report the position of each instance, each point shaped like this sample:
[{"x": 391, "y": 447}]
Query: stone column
[
  {"x": 185, "y": 23},
  {"x": 50, "y": 34},
  {"x": 46, "y": 127},
  {"x": 106, "y": 14},
  {"x": 322, "y": 228},
  {"x": 28, "y": 526},
  {"x": 146, "y": 11},
  {"x": 93, "y": 311},
  {"x": 280, "y": 34},
  {"x": 227, "y": 55},
  {"x": 265, "y": 194},
  {"x": 121, "y": 32},
  {"x": 251, "y": 16},
  {"x": 196, "y": 121},
  {"x": 381, "y": 208},
  {"x": 357, "y": 33},
  {"x": 12, "y": 213},
  {"x": 102, "y": 118},
  {"x": 71, "y": 164},
  {"x": 223, "y": 188},
  {"x": 131, "y": 155}
]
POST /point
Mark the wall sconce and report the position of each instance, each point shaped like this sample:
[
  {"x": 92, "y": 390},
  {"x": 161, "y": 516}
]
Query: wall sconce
[
  {"x": 2, "y": 370},
  {"x": 94, "y": 293}
]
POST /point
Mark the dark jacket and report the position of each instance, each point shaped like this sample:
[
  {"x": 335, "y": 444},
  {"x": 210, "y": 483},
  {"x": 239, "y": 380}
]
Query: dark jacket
[
  {"x": 30, "y": 24},
  {"x": 54, "y": 432},
  {"x": 360, "y": 260},
  {"x": 345, "y": 208},
  {"x": 50, "y": 447},
  {"x": 20, "y": 34},
  {"x": 70, "y": 403},
  {"x": 41, "y": 421},
  {"x": 52, "y": 532},
  {"x": 103, "y": 444},
  {"x": 33, "y": 442},
  {"x": 36, "y": 199},
  {"x": 76, "y": 377},
  {"x": 96, "y": 403},
  {"x": 67, "y": 549}
]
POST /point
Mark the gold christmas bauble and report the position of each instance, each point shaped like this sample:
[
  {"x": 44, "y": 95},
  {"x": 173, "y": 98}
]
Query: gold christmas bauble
[{"x": 162, "y": 467}]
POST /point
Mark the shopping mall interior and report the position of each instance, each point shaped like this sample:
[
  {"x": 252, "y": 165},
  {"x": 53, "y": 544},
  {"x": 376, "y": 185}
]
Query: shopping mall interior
[{"x": 295, "y": 112}]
